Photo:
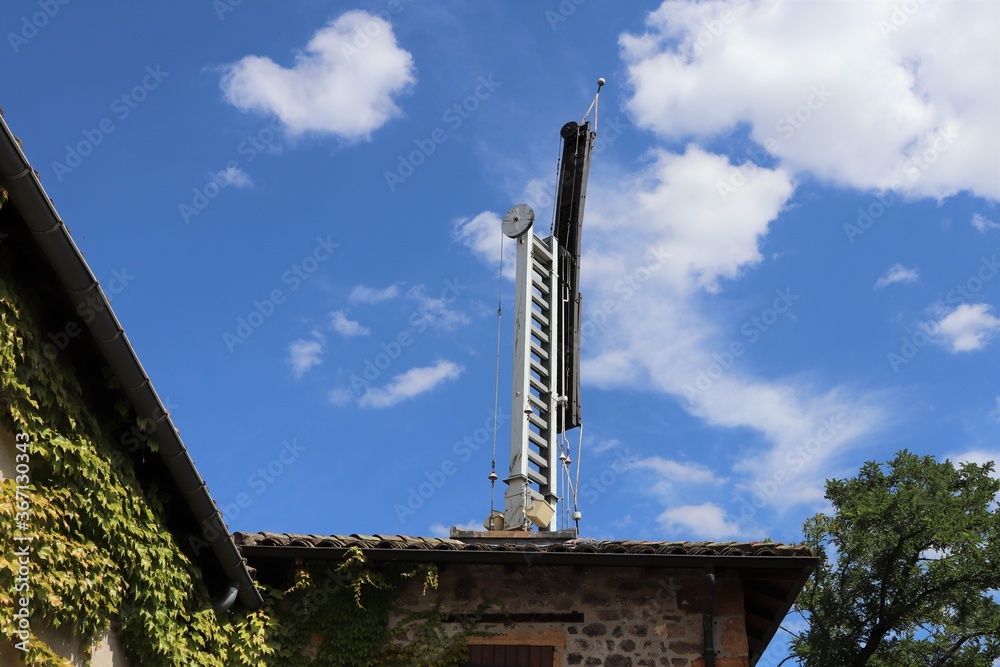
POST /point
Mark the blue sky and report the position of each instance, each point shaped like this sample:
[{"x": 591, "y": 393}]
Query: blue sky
[{"x": 790, "y": 246}]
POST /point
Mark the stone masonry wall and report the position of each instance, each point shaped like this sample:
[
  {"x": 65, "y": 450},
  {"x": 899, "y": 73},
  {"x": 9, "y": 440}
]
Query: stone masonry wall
[{"x": 632, "y": 617}]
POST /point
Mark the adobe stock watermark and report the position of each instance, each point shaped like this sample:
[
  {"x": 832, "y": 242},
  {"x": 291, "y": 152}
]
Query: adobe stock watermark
[
  {"x": 564, "y": 10},
  {"x": 912, "y": 169},
  {"x": 626, "y": 288},
  {"x": 20, "y": 562},
  {"x": 901, "y": 14},
  {"x": 608, "y": 132},
  {"x": 433, "y": 480},
  {"x": 927, "y": 331},
  {"x": 247, "y": 151},
  {"x": 705, "y": 35},
  {"x": 215, "y": 527},
  {"x": 767, "y": 490},
  {"x": 265, "y": 475},
  {"x": 595, "y": 486},
  {"x": 121, "y": 107},
  {"x": 390, "y": 351},
  {"x": 372, "y": 28},
  {"x": 137, "y": 435},
  {"x": 453, "y": 117},
  {"x": 87, "y": 310},
  {"x": 32, "y": 24},
  {"x": 294, "y": 277},
  {"x": 752, "y": 329},
  {"x": 786, "y": 127}
]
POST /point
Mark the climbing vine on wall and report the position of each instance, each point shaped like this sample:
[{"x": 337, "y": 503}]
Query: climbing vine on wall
[
  {"x": 99, "y": 549},
  {"x": 340, "y": 616}
]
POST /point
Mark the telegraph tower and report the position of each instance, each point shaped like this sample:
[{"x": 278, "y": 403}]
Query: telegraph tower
[{"x": 546, "y": 388}]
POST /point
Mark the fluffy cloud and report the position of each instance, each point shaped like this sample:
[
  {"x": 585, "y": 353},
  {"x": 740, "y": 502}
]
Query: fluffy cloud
[
  {"x": 434, "y": 311},
  {"x": 304, "y": 354},
  {"x": 980, "y": 457},
  {"x": 718, "y": 212},
  {"x": 863, "y": 94},
  {"x": 482, "y": 235},
  {"x": 707, "y": 520},
  {"x": 982, "y": 223},
  {"x": 645, "y": 326},
  {"x": 897, "y": 273},
  {"x": 407, "y": 385},
  {"x": 340, "y": 323},
  {"x": 344, "y": 83},
  {"x": 968, "y": 327},
  {"x": 678, "y": 471},
  {"x": 233, "y": 175},
  {"x": 364, "y": 294}
]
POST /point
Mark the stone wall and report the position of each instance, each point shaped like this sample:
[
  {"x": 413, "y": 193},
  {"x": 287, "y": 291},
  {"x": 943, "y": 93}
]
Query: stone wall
[{"x": 615, "y": 617}]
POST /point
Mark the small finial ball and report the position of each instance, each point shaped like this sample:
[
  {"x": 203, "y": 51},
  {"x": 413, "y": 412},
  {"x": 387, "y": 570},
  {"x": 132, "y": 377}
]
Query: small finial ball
[{"x": 601, "y": 82}]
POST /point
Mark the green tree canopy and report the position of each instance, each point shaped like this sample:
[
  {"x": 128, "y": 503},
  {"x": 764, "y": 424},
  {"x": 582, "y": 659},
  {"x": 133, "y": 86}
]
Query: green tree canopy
[{"x": 910, "y": 571}]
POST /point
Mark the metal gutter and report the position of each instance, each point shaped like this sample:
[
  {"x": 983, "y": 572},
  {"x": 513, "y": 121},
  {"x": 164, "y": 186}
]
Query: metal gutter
[
  {"x": 527, "y": 557},
  {"x": 39, "y": 214}
]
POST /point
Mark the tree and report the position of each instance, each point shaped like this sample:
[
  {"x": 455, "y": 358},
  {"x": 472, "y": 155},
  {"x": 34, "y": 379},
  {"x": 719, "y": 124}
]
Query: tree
[{"x": 910, "y": 569}]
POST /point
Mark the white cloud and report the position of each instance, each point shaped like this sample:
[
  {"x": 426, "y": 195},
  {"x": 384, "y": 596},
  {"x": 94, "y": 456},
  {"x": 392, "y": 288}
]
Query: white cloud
[
  {"x": 434, "y": 311},
  {"x": 678, "y": 471},
  {"x": 482, "y": 235},
  {"x": 968, "y": 327},
  {"x": 441, "y": 530},
  {"x": 412, "y": 383},
  {"x": 304, "y": 354},
  {"x": 656, "y": 241},
  {"x": 831, "y": 88},
  {"x": 341, "y": 396},
  {"x": 684, "y": 207},
  {"x": 705, "y": 521},
  {"x": 335, "y": 87},
  {"x": 897, "y": 273},
  {"x": 669, "y": 475},
  {"x": 365, "y": 294},
  {"x": 657, "y": 336},
  {"x": 980, "y": 457},
  {"x": 982, "y": 223},
  {"x": 233, "y": 175},
  {"x": 604, "y": 446},
  {"x": 340, "y": 323}
]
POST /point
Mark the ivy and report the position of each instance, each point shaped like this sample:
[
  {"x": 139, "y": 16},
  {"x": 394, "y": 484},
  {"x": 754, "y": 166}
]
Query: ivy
[
  {"x": 98, "y": 549},
  {"x": 100, "y": 553},
  {"x": 340, "y": 616}
]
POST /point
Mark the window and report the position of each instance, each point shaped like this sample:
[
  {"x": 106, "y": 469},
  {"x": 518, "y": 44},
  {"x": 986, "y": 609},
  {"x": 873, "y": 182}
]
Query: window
[{"x": 510, "y": 655}]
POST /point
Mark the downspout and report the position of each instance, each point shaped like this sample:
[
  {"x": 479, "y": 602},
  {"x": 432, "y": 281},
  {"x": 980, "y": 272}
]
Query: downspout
[
  {"x": 226, "y": 602},
  {"x": 709, "y": 618}
]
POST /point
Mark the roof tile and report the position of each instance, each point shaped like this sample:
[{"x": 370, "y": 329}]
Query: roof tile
[{"x": 569, "y": 546}]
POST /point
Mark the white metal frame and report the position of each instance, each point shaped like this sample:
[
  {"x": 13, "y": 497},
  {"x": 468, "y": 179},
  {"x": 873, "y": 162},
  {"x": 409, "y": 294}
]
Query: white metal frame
[{"x": 533, "y": 409}]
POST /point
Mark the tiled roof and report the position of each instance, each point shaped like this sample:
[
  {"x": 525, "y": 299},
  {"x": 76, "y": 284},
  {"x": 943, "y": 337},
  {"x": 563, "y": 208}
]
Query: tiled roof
[{"x": 582, "y": 546}]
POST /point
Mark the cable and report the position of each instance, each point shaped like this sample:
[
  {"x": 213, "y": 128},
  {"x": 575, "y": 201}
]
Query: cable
[
  {"x": 496, "y": 389},
  {"x": 579, "y": 459},
  {"x": 594, "y": 105},
  {"x": 555, "y": 200}
]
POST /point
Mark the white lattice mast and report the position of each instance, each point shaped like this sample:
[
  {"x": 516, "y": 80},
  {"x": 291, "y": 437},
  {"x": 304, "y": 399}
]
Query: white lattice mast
[{"x": 546, "y": 390}]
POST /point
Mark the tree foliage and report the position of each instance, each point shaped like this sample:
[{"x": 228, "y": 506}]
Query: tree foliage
[{"x": 910, "y": 568}]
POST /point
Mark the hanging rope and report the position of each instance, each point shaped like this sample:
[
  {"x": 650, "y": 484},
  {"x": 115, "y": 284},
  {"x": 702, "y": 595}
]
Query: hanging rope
[{"x": 496, "y": 388}]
